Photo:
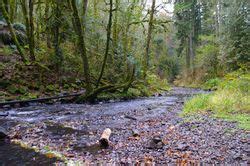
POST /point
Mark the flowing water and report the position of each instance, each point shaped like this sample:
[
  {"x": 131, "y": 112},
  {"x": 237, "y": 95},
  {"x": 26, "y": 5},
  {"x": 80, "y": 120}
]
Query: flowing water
[{"x": 78, "y": 127}]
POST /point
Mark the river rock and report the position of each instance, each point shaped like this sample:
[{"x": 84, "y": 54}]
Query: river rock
[
  {"x": 157, "y": 139},
  {"x": 3, "y": 133},
  {"x": 155, "y": 143},
  {"x": 182, "y": 146},
  {"x": 135, "y": 133},
  {"x": 4, "y": 114}
]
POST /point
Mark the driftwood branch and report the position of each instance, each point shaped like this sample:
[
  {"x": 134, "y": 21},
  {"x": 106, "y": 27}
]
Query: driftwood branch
[{"x": 104, "y": 140}]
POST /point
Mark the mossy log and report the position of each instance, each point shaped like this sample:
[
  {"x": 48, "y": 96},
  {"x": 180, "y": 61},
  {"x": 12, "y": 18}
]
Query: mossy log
[{"x": 39, "y": 99}]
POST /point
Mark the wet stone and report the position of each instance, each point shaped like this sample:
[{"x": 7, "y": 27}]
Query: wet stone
[
  {"x": 135, "y": 133},
  {"x": 164, "y": 136},
  {"x": 157, "y": 139},
  {"x": 3, "y": 133},
  {"x": 182, "y": 147}
]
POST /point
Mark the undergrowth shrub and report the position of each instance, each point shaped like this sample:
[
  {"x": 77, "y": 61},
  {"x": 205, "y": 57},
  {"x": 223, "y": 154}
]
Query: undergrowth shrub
[
  {"x": 211, "y": 84},
  {"x": 231, "y": 101}
]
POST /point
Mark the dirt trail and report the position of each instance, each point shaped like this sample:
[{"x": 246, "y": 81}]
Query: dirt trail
[{"x": 73, "y": 129}]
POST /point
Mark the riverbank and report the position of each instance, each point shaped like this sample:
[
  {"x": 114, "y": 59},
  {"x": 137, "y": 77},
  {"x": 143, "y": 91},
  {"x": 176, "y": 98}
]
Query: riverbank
[{"x": 70, "y": 132}]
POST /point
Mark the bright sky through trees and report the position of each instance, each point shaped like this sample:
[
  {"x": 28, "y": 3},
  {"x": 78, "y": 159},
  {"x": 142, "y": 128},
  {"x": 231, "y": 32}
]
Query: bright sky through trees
[{"x": 168, "y": 5}]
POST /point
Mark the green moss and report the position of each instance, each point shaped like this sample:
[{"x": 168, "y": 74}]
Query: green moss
[
  {"x": 197, "y": 104},
  {"x": 12, "y": 89},
  {"x": 50, "y": 88},
  {"x": 133, "y": 92},
  {"x": 6, "y": 51},
  {"x": 211, "y": 84}
]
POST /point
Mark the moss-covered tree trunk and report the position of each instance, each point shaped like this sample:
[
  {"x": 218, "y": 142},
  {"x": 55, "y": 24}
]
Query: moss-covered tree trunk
[
  {"x": 150, "y": 29},
  {"x": 115, "y": 31},
  {"x": 56, "y": 30},
  {"x": 46, "y": 16},
  {"x": 109, "y": 26},
  {"x": 187, "y": 55},
  {"x": 38, "y": 20},
  {"x": 26, "y": 17},
  {"x": 81, "y": 45},
  {"x": 95, "y": 5},
  {"x": 32, "y": 36},
  {"x": 13, "y": 10},
  {"x": 84, "y": 11},
  {"x": 127, "y": 38},
  {"x": 12, "y": 31},
  {"x": 29, "y": 23}
]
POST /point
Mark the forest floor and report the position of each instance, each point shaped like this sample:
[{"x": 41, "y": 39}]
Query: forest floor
[{"x": 144, "y": 130}]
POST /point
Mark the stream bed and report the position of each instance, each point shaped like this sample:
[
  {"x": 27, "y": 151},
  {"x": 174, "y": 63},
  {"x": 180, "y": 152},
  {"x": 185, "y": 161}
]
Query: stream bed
[{"x": 73, "y": 131}]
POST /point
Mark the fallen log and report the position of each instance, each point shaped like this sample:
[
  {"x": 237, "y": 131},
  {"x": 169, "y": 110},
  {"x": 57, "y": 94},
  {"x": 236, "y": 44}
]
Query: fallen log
[
  {"x": 106, "y": 88},
  {"x": 39, "y": 99},
  {"x": 104, "y": 141}
]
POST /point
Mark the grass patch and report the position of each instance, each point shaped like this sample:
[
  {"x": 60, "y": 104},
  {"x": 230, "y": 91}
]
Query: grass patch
[{"x": 231, "y": 101}]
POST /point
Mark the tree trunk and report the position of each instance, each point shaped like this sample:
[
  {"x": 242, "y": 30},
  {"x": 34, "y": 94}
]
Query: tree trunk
[
  {"x": 84, "y": 12},
  {"x": 13, "y": 8},
  {"x": 188, "y": 55},
  {"x": 46, "y": 15},
  {"x": 31, "y": 37},
  {"x": 12, "y": 31},
  {"x": 95, "y": 4},
  {"x": 26, "y": 18},
  {"x": 107, "y": 42},
  {"x": 115, "y": 31},
  {"x": 38, "y": 25},
  {"x": 150, "y": 28},
  {"x": 127, "y": 39},
  {"x": 7, "y": 5},
  {"x": 191, "y": 51},
  {"x": 56, "y": 28},
  {"x": 81, "y": 44}
]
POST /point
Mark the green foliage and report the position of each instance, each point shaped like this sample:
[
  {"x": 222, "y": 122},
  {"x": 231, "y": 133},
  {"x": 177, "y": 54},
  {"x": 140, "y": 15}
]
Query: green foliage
[
  {"x": 155, "y": 83},
  {"x": 169, "y": 67},
  {"x": 211, "y": 84},
  {"x": 6, "y": 51},
  {"x": 52, "y": 88},
  {"x": 14, "y": 89},
  {"x": 197, "y": 104},
  {"x": 231, "y": 101},
  {"x": 132, "y": 92},
  {"x": 206, "y": 65},
  {"x": 207, "y": 55},
  {"x": 237, "y": 43}
]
